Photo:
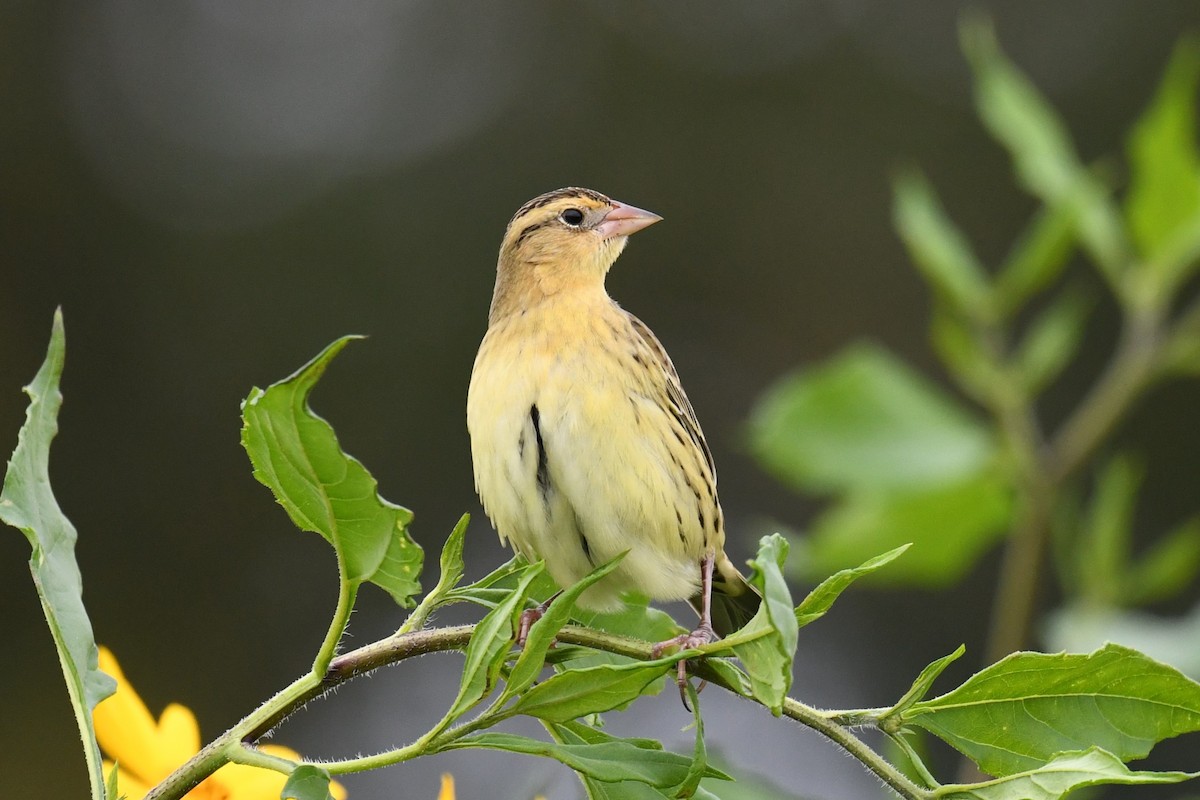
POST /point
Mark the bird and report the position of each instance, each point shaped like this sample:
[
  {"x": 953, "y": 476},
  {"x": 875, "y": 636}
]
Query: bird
[{"x": 583, "y": 443}]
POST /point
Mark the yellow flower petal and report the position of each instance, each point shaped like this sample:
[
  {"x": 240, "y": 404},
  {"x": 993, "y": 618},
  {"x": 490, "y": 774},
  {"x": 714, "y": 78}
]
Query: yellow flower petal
[
  {"x": 129, "y": 734},
  {"x": 242, "y": 782},
  {"x": 148, "y": 751},
  {"x": 447, "y": 792}
]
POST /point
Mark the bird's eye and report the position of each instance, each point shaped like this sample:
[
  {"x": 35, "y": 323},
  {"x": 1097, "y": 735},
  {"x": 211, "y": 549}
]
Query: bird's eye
[{"x": 572, "y": 216}]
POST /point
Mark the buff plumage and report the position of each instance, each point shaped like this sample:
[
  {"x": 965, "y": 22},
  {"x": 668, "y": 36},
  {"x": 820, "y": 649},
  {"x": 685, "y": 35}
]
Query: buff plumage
[{"x": 583, "y": 442}]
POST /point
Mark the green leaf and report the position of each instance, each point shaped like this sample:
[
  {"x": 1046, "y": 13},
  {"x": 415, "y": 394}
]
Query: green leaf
[
  {"x": 489, "y": 645},
  {"x": 1065, "y": 773},
  {"x": 923, "y": 683},
  {"x": 450, "y": 572},
  {"x": 1171, "y": 640},
  {"x": 959, "y": 349},
  {"x": 820, "y": 599},
  {"x": 591, "y": 690},
  {"x": 637, "y": 619},
  {"x": 111, "y": 790},
  {"x": 495, "y": 587},
  {"x": 949, "y": 527},
  {"x": 296, "y": 455},
  {"x": 699, "y": 766},
  {"x": 1020, "y": 118},
  {"x": 1164, "y": 189},
  {"x": 307, "y": 782},
  {"x": 612, "y": 761},
  {"x": 579, "y": 733},
  {"x": 865, "y": 420},
  {"x": 1036, "y": 259},
  {"x": 937, "y": 247},
  {"x": 1167, "y": 568},
  {"x": 1104, "y": 549},
  {"x": 28, "y": 503},
  {"x": 767, "y": 644},
  {"x": 1052, "y": 340},
  {"x": 541, "y": 634},
  {"x": 1022, "y": 711},
  {"x": 735, "y": 678}
]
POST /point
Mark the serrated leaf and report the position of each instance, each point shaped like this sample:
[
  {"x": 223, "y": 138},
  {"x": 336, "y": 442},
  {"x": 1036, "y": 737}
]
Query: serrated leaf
[
  {"x": 1065, "y": 773},
  {"x": 1037, "y": 258},
  {"x": 541, "y": 634},
  {"x": 1022, "y": 711},
  {"x": 938, "y": 247},
  {"x": 949, "y": 527},
  {"x": 865, "y": 420},
  {"x": 1019, "y": 117},
  {"x": 1171, "y": 640},
  {"x": 767, "y": 644},
  {"x": 1167, "y": 567},
  {"x": 921, "y": 686},
  {"x": 591, "y": 690},
  {"x": 296, "y": 455},
  {"x": 1164, "y": 188},
  {"x": 1052, "y": 341},
  {"x": 27, "y": 502},
  {"x": 307, "y": 782},
  {"x": 612, "y": 761},
  {"x": 489, "y": 645},
  {"x": 821, "y": 599}
]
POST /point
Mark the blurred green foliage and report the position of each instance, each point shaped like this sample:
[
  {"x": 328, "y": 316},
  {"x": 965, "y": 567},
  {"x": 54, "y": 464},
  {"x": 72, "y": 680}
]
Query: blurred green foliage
[{"x": 903, "y": 461}]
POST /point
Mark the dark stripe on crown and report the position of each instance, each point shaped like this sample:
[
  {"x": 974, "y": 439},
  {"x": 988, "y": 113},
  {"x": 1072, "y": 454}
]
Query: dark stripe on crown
[{"x": 558, "y": 194}]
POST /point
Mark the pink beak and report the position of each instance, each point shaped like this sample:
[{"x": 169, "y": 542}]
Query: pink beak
[{"x": 624, "y": 220}]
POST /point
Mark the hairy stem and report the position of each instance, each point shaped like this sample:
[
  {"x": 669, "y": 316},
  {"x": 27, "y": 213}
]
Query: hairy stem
[
  {"x": 230, "y": 746},
  {"x": 341, "y": 618}
]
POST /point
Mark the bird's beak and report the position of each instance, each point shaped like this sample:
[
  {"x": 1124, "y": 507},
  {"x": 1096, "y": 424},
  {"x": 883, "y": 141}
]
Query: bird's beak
[{"x": 624, "y": 220}]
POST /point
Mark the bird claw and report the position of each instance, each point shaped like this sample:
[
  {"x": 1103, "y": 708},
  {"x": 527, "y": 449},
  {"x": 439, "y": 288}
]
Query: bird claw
[{"x": 685, "y": 641}]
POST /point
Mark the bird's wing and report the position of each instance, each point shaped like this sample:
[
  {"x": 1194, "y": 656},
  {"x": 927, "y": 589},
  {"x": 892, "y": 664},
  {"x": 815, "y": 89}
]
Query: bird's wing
[{"x": 679, "y": 405}]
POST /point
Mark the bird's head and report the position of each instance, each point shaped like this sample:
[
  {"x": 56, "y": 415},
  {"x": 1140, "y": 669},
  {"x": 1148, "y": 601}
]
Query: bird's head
[{"x": 566, "y": 238}]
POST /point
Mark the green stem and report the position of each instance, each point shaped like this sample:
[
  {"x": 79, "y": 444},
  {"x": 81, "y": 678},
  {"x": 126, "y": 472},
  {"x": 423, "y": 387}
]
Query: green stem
[
  {"x": 810, "y": 717},
  {"x": 219, "y": 751},
  {"x": 1133, "y": 368},
  {"x": 341, "y": 618},
  {"x": 430, "y": 743},
  {"x": 229, "y": 746},
  {"x": 253, "y": 757}
]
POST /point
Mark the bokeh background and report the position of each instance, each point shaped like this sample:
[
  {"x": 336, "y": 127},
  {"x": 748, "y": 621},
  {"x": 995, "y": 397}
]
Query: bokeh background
[{"x": 215, "y": 190}]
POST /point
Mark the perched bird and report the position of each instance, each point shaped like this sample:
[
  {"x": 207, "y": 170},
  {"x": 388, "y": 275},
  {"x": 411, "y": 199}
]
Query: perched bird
[{"x": 583, "y": 442}]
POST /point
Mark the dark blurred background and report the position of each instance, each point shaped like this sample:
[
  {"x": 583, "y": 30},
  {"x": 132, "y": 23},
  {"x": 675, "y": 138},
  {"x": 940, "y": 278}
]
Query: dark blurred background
[{"x": 214, "y": 191}]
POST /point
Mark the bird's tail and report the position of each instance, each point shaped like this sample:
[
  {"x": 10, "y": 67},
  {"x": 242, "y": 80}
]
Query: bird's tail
[{"x": 734, "y": 601}]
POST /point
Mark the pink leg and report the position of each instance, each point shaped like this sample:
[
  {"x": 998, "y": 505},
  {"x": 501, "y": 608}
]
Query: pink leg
[
  {"x": 702, "y": 635},
  {"x": 530, "y": 616}
]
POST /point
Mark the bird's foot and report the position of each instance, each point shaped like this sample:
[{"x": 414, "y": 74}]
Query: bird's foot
[{"x": 685, "y": 641}]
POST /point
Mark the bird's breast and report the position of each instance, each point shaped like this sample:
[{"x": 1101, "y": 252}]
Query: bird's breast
[{"x": 573, "y": 454}]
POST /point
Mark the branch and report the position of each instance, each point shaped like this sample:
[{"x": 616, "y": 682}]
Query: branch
[{"x": 229, "y": 746}]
